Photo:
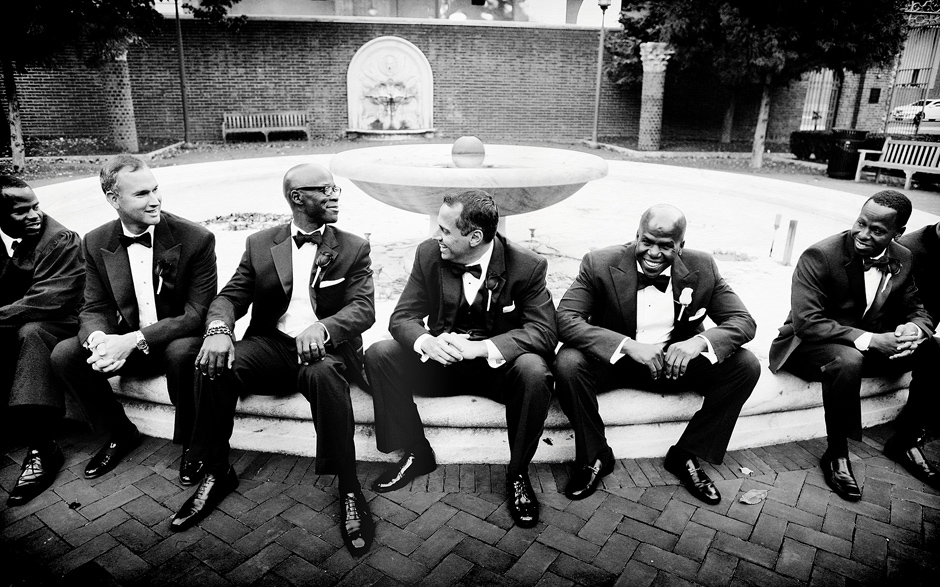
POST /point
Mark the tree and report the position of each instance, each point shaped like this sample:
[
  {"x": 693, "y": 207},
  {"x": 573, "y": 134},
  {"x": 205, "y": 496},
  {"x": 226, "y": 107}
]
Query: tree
[
  {"x": 768, "y": 43},
  {"x": 100, "y": 31}
]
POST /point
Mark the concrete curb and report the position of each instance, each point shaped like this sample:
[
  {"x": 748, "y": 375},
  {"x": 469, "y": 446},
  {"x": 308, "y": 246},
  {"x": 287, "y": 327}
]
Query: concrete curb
[{"x": 98, "y": 158}]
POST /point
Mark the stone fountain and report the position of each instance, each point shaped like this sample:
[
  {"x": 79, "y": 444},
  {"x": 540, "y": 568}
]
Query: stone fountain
[{"x": 417, "y": 177}]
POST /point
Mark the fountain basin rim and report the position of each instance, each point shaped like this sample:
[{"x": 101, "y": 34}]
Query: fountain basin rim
[{"x": 520, "y": 166}]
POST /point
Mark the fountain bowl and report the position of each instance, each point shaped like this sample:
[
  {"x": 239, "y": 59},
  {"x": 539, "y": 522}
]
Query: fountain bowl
[{"x": 417, "y": 177}]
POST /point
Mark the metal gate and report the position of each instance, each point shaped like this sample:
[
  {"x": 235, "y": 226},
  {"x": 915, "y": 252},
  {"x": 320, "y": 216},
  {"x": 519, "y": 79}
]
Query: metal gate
[
  {"x": 913, "y": 108},
  {"x": 822, "y": 93}
]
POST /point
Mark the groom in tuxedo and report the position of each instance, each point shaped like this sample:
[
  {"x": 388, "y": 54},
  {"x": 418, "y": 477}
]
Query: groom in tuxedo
[
  {"x": 490, "y": 331},
  {"x": 633, "y": 316},
  {"x": 855, "y": 311},
  {"x": 310, "y": 289}
]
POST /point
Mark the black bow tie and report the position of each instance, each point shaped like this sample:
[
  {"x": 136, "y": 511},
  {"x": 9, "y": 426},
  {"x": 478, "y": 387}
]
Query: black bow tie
[
  {"x": 660, "y": 282},
  {"x": 301, "y": 238},
  {"x": 141, "y": 239},
  {"x": 474, "y": 270},
  {"x": 883, "y": 264}
]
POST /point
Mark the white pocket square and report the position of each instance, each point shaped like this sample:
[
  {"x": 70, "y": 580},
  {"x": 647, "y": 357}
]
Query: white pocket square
[
  {"x": 697, "y": 315},
  {"x": 509, "y": 308},
  {"x": 329, "y": 282}
]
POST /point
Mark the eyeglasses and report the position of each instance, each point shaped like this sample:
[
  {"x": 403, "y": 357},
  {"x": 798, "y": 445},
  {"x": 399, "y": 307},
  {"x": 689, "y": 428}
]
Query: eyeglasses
[{"x": 329, "y": 190}]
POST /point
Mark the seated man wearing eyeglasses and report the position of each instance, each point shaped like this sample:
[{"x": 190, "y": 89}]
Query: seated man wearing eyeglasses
[{"x": 311, "y": 294}]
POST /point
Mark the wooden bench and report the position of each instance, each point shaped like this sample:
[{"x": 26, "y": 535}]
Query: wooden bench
[
  {"x": 264, "y": 122},
  {"x": 909, "y": 156}
]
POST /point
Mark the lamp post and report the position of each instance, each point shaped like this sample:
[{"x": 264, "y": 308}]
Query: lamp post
[
  {"x": 179, "y": 43},
  {"x": 603, "y": 4}
]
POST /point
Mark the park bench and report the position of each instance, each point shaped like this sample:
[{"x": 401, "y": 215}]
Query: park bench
[
  {"x": 908, "y": 156},
  {"x": 264, "y": 122}
]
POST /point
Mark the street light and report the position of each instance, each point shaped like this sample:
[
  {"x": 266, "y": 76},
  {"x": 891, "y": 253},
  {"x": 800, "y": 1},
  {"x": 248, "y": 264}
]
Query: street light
[
  {"x": 603, "y": 4},
  {"x": 179, "y": 43}
]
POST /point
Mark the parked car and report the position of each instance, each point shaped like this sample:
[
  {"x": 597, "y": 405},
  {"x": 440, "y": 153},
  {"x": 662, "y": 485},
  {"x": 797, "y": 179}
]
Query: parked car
[{"x": 930, "y": 109}]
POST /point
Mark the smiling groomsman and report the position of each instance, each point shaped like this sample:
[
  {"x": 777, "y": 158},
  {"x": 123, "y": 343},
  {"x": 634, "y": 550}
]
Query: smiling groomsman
[{"x": 149, "y": 278}]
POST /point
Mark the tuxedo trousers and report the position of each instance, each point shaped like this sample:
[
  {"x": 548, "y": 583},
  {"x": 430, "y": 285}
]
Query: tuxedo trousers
[
  {"x": 840, "y": 368},
  {"x": 396, "y": 374},
  {"x": 267, "y": 365},
  {"x": 26, "y": 376},
  {"x": 725, "y": 386},
  {"x": 92, "y": 390}
]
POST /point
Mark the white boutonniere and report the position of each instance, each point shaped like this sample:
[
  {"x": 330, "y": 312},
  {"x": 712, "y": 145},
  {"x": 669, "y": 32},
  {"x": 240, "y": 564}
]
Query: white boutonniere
[
  {"x": 323, "y": 260},
  {"x": 685, "y": 298},
  {"x": 163, "y": 266},
  {"x": 490, "y": 284}
]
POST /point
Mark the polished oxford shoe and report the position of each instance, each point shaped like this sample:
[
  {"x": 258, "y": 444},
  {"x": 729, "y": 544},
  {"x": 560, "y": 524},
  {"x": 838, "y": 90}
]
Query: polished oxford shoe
[
  {"x": 585, "y": 480},
  {"x": 191, "y": 472},
  {"x": 410, "y": 466},
  {"x": 111, "y": 454},
  {"x": 357, "y": 536},
  {"x": 692, "y": 476},
  {"x": 838, "y": 474},
  {"x": 38, "y": 473},
  {"x": 200, "y": 504},
  {"x": 913, "y": 459},
  {"x": 523, "y": 506}
]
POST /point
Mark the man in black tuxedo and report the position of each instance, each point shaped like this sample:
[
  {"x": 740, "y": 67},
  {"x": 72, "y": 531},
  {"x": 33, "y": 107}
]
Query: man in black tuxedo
[
  {"x": 633, "y": 316},
  {"x": 149, "y": 278},
  {"x": 490, "y": 331},
  {"x": 854, "y": 311},
  {"x": 41, "y": 280},
  {"x": 310, "y": 289}
]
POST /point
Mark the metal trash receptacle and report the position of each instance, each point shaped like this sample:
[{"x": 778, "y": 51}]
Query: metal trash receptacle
[{"x": 843, "y": 156}]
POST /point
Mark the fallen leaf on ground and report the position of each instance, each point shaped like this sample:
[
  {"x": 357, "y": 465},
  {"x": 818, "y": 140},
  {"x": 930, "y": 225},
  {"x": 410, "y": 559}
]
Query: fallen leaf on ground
[
  {"x": 746, "y": 471},
  {"x": 754, "y": 496}
]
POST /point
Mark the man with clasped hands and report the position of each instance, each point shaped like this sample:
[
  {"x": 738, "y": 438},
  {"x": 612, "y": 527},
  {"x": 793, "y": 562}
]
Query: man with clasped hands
[
  {"x": 633, "y": 316},
  {"x": 311, "y": 294}
]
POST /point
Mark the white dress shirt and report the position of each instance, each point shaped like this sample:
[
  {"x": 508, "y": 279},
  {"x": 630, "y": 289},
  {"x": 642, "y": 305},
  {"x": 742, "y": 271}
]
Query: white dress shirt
[
  {"x": 300, "y": 315},
  {"x": 9, "y": 242},
  {"x": 875, "y": 279},
  {"x": 141, "y": 261},
  {"x": 655, "y": 319},
  {"x": 471, "y": 287}
]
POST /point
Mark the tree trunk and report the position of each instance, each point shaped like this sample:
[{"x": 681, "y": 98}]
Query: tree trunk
[
  {"x": 120, "y": 105},
  {"x": 728, "y": 123},
  {"x": 760, "y": 133},
  {"x": 17, "y": 147}
]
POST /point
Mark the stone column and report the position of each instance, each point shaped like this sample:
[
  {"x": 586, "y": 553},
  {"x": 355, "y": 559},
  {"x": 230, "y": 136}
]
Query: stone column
[
  {"x": 119, "y": 104},
  {"x": 655, "y": 56}
]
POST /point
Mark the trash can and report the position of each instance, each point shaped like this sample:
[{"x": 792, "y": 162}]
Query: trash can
[{"x": 843, "y": 156}]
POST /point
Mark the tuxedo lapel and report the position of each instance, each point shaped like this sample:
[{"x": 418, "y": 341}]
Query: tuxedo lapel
[
  {"x": 495, "y": 277},
  {"x": 166, "y": 259},
  {"x": 624, "y": 277},
  {"x": 118, "y": 267},
  {"x": 854, "y": 274},
  {"x": 884, "y": 288},
  {"x": 682, "y": 278},
  {"x": 450, "y": 293},
  {"x": 329, "y": 248},
  {"x": 281, "y": 254}
]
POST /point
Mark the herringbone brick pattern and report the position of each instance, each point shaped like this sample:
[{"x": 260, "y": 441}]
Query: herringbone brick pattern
[{"x": 453, "y": 528}]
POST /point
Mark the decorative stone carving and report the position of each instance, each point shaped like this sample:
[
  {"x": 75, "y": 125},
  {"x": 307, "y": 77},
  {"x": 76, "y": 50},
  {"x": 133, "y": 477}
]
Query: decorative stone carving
[
  {"x": 390, "y": 87},
  {"x": 655, "y": 56}
]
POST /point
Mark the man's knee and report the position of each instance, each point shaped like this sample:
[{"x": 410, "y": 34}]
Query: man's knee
[
  {"x": 183, "y": 351},
  {"x": 32, "y": 331},
  {"x": 749, "y": 364},
  {"x": 68, "y": 354},
  {"x": 569, "y": 362},
  {"x": 383, "y": 353},
  {"x": 846, "y": 362}
]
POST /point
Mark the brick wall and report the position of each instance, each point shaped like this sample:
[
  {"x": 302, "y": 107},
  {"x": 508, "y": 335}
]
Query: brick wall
[{"x": 496, "y": 82}]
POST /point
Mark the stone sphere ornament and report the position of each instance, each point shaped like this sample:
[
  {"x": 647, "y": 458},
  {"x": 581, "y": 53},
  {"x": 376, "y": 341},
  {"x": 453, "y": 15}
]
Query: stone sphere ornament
[{"x": 468, "y": 151}]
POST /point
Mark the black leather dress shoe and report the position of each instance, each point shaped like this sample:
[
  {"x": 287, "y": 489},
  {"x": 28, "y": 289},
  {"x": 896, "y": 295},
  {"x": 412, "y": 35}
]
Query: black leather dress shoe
[
  {"x": 585, "y": 480},
  {"x": 357, "y": 537},
  {"x": 191, "y": 472},
  {"x": 523, "y": 506},
  {"x": 913, "y": 459},
  {"x": 200, "y": 504},
  {"x": 838, "y": 474},
  {"x": 38, "y": 473},
  {"x": 410, "y": 466},
  {"x": 111, "y": 454},
  {"x": 693, "y": 477}
]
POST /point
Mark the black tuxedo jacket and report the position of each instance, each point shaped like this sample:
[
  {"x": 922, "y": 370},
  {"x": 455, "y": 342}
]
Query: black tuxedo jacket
[
  {"x": 924, "y": 244},
  {"x": 827, "y": 298},
  {"x": 343, "y": 294},
  {"x": 520, "y": 318},
  {"x": 183, "y": 256},
  {"x": 44, "y": 277},
  {"x": 599, "y": 308}
]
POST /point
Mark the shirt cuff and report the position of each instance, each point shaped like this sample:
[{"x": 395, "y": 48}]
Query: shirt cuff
[
  {"x": 494, "y": 358},
  {"x": 863, "y": 342},
  {"x": 326, "y": 331},
  {"x": 417, "y": 346},
  {"x": 91, "y": 336},
  {"x": 618, "y": 353},
  {"x": 708, "y": 353}
]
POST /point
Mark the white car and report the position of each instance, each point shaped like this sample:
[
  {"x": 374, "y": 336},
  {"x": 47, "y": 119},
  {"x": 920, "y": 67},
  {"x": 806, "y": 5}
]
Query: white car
[{"x": 930, "y": 108}]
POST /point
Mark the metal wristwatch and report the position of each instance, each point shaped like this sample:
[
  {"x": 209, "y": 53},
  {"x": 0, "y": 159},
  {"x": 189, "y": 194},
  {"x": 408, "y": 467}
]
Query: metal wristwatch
[{"x": 142, "y": 343}]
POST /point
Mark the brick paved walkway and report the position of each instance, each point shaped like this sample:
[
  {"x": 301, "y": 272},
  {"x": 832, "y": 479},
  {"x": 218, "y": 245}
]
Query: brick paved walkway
[{"x": 453, "y": 528}]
